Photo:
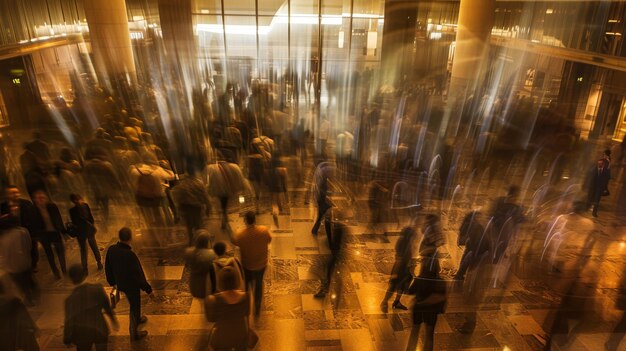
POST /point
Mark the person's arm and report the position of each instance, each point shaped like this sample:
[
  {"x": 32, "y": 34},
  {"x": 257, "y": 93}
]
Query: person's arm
[
  {"x": 140, "y": 276},
  {"x": 209, "y": 309},
  {"x": 106, "y": 307},
  {"x": 108, "y": 269},
  {"x": 89, "y": 215}
]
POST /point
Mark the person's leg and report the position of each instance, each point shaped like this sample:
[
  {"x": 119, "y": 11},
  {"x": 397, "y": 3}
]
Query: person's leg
[
  {"x": 249, "y": 278},
  {"x": 93, "y": 244},
  {"x": 47, "y": 248},
  {"x": 134, "y": 301},
  {"x": 82, "y": 244},
  {"x": 322, "y": 207},
  {"x": 102, "y": 342},
  {"x": 34, "y": 252},
  {"x": 403, "y": 281},
  {"x": 258, "y": 291},
  {"x": 414, "y": 337},
  {"x": 429, "y": 336},
  {"x": 84, "y": 345},
  {"x": 224, "y": 205},
  {"x": 617, "y": 335},
  {"x": 60, "y": 250},
  {"x": 466, "y": 260}
]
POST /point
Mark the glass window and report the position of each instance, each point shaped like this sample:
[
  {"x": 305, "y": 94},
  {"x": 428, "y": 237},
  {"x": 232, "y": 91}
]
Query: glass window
[
  {"x": 239, "y": 7},
  {"x": 210, "y": 33},
  {"x": 241, "y": 36},
  {"x": 206, "y": 7}
]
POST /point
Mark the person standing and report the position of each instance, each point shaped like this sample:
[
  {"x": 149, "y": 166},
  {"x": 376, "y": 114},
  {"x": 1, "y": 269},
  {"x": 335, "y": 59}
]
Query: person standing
[
  {"x": 85, "y": 325},
  {"x": 123, "y": 270},
  {"x": 49, "y": 228},
  {"x": 24, "y": 211},
  {"x": 15, "y": 244},
  {"x": 598, "y": 185},
  {"x": 83, "y": 222},
  {"x": 254, "y": 240}
]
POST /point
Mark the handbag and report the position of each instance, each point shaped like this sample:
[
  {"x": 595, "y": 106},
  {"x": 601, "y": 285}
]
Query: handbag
[
  {"x": 71, "y": 230},
  {"x": 115, "y": 297}
]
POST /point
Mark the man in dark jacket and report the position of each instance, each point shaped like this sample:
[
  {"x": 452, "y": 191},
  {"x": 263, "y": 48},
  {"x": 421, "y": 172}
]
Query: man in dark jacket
[
  {"x": 83, "y": 222},
  {"x": 123, "y": 270},
  {"x": 84, "y": 322},
  {"x": 598, "y": 184},
  {"x": 24, "y": 211},
  {"x": 48, "y": 227},
  {"x": 191, "y": 198}
]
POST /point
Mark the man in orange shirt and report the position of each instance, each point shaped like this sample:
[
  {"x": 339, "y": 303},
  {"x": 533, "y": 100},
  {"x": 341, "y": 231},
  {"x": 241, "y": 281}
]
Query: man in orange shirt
[{"x": 253, "y": 241}]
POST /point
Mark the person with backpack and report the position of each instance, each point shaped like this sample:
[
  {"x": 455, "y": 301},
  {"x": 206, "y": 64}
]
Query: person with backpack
[
  {"x": 85, "y": 230},
  {"x": 277, "y": 184},
  {"x": 149, "y": 181},
  {"x": 219, "y": 263},
  {"x": 226, "y": 180}
]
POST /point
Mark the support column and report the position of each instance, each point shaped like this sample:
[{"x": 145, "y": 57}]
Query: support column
[
  {"x": 110, "y": 42},
  {"x": 180, "y": 44},
  {"x": 398, "y": 38},
  {"x": 471, "y": 56}
]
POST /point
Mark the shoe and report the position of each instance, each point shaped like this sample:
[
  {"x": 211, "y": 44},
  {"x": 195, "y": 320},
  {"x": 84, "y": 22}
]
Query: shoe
[
  {"x": 100, "y": 266},
  {"x": 384, "y": 308},
  {"x": 143, "y": 320},
  {"x": 321, "y": 293},
  {"x": 140, "y": 335},
  {"x": 397, "y": 305}
]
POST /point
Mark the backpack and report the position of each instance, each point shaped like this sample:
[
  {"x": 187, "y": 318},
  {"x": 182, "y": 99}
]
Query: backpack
[
  {"x": 213, "y": 285},
  {"x": 148, "y": 187}
]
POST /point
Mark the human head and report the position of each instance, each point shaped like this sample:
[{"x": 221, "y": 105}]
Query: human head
[
  {"x": 12, "y": 192},
  {"x": 407, "y": 231},
  {"x": 75, "y": 199},
  {"x": 600, "y": 164},
  {"x": 512, "y": 191},
  {"x": 202, "y": 241},
  {"x": 76, "y": 273},
  {"x": 249, "y": 218},
  {"x": 229, "y": 280},
  {"x": 607, "y": 152},
  {"x": 125, "y": 234},
  {"x": 219, "y": 248},
  {"x": 40, "y": 198}
]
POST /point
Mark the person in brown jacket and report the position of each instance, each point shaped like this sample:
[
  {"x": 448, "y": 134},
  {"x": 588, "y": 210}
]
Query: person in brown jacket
[{"x": 253, "y": 240}]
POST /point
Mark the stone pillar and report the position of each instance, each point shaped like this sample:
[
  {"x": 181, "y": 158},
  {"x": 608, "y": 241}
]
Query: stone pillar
[
  {"x": 178, "y": 36},
  {"x": 110, "y": 41},
  {"x": 398, "y": 38},
  {"x": 471, "y": 55}
]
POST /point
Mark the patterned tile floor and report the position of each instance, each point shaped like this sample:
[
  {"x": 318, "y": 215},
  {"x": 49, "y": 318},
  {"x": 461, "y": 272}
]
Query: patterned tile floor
[{"x": 515, "y": 317}]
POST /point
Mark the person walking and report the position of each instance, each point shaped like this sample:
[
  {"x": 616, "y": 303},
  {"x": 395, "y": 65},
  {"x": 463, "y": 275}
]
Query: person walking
[
  {"x": 200, "y": 260},
  {"x": 18, "y": 331},
  {"x": 336, "y": 236},
  {"x": 85, "y": 325},
  {"x": 83, "y": 223},
  {"x": 400, "y": 273},
  {"x": 192, "y": 200},
  {"x": 15, "y": 244},
  {"x": 229, "y": 310},
  {"x": 49, "y": 228},
  {"x": 23, "y": 210},
  {"x": 323, "y": 174},
  {"x": 429, "y": 290},
  {"x": 225, "y": 181},
  {"x": 253, "y": 241},
  {"x": 103, "y": 183},
  {"x": 472, "y": 236},
  {"x": 123, "y": 271}
]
